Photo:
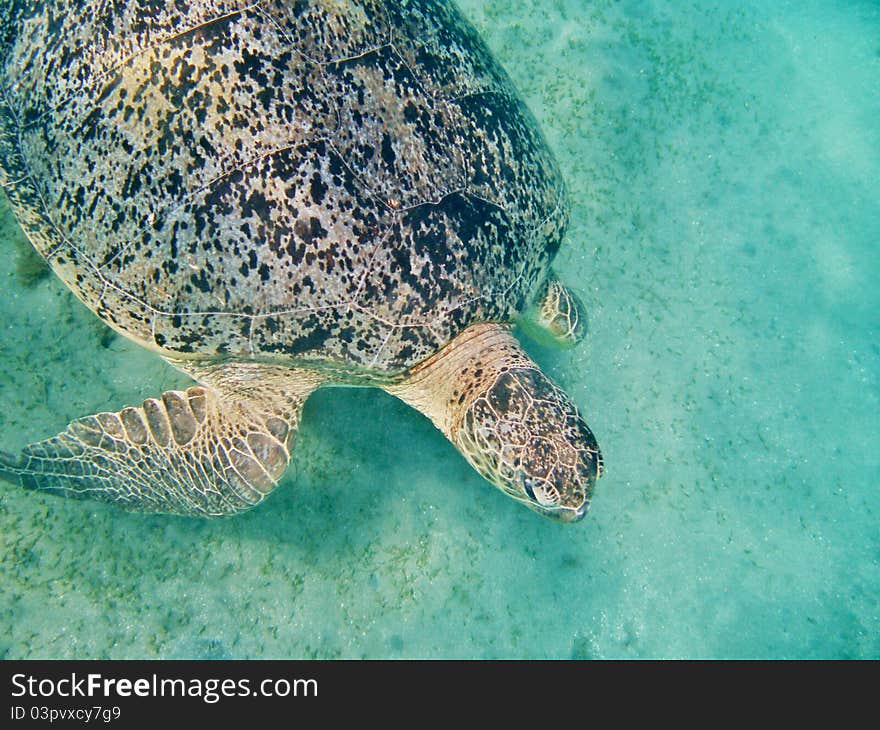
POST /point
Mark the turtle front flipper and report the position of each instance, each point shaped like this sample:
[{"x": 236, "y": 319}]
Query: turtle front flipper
[
  {"x": 200, "y": 452},
  {"x": 557, "y": 316},
  {"x": 509, "y": 420}
]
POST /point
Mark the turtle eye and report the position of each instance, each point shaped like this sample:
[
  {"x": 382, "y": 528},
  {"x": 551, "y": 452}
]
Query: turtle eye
[{"x": 529, "y": 486}]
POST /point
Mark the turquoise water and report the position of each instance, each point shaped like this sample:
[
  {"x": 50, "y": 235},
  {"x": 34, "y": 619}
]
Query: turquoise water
[{"x": 724, "y": 166}]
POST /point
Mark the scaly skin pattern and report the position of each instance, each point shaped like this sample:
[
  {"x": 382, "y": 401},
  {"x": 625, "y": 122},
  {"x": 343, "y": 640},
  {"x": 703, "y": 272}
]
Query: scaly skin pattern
[
  {"x": 525, "y": 436},
  {"x": 509, "y": 420},
  {"x": 185, "y": 453},
  {"x": 311, "y": 182},
  {"x": 560, "y": 313},
  {"x": 207, "y": 451}
]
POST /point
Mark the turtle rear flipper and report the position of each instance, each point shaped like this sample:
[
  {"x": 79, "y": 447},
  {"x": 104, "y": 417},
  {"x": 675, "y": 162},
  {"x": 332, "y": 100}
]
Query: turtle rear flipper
[
  {"x": 192, "y": 452},
  {"x": 557, "y": 316}
]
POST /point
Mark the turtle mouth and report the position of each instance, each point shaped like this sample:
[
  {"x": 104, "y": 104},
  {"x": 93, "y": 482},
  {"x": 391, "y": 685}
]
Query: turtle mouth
[
  {"x": 570, "y": 514},
  {"x": 556, "y": 512},
  {"x": 564, "y": 514}
]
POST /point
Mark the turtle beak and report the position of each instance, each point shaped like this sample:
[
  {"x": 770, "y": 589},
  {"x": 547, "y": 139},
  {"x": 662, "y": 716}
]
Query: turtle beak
[
  {"x": 568, "y": 515},
  {"x": 572, "y": 515}
]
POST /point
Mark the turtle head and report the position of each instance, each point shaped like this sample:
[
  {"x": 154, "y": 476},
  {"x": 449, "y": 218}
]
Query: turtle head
[
  {"x": 509, "y": 420},
  {"x": 525, "y": 436}
]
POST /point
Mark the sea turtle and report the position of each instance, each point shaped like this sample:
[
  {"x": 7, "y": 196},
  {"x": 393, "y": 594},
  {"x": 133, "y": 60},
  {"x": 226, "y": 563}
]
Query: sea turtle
[{"x": 275, "y": 195}]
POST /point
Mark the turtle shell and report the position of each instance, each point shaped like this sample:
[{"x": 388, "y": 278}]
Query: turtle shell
[{"x": 351, "y": 183}]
